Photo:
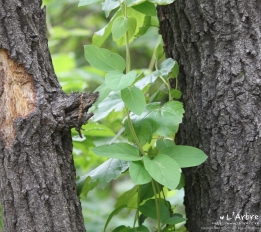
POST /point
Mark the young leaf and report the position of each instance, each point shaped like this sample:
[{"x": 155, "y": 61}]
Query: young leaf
[
  {"x": 103, "y": 59},
  {"x": 132, "y": 28},
  {"x": 102, "y": 35},
  {"x": 162, "y": 143},
  {"x": 136, "y": 21},
  {"x": 163, "y": 170},
  {"x": 175, "y": 94},
  {"x": 114, "y": 212},
  {"x": 120, "y": 26},
  {"x": 103, "y": 174},
  {"x": 142, "y": 83},
  {"x": 129, "y": 197},
  {"x": 85, "y": 184},
  {"x": 175, "y": 70},
  {"x": 134, "y": 99},
  {"x": 185, "y": 156},
  {"x": 163, "y": 121},
  {"x": 103, "y": 92},
  {"x": 145, "y": 27},
  {"x": 116, "y": 80},
  {"x": 110, "y": 103},
  {"x": 122, "y": 151},
  {"x": 109, "y": 5},
  {"x": 166, "y": 66},
  {"x": 146, "y": 8},
  {"x": 138, "y": 173},
  {"x": 149, "y": 209},
  {"x": 87, "y": 2}
]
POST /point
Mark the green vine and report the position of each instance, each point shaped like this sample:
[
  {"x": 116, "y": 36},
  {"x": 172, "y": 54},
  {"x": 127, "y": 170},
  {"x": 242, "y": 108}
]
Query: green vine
[{"x": 154, "y": 165}]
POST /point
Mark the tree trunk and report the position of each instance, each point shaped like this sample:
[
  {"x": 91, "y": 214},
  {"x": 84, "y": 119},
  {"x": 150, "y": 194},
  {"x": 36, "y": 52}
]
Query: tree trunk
[
  {"x": 37, "y": 174},
  {"x": 218, "y": 47}
]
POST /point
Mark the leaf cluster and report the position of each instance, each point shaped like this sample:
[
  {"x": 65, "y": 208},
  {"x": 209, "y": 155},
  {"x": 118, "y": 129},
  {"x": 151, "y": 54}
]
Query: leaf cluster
[{"x": 146, "y": 150}]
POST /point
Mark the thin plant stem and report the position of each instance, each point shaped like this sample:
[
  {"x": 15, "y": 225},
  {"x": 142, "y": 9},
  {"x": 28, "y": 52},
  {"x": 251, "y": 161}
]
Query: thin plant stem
[
  {"x": 157, "y": 203},
  {"x": 154, "y": 58},
  {"x": 168, "y": 86},
  {"x": 133, "y": 133},
  {"x": 137, "y": 211}
]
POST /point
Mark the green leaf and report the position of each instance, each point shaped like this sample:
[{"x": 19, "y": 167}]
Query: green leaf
[
  {"x": 162, "y": 143},
  {"x": 175, "y": 94},
  {"x": 85, "y": 184},
  {"x": 142, "y": 83},
  {"x": 129, "y": 197},
  {"x": 97, "y": 130},
  {"x": 166, "y": 67},
  {"x": 136, "y": 21},
  {"x": 160, "y": 51},
  {"x": 162, "y": 2},
  {"x": 175, "y": 70},
  {"x": 185, "y": 156},
  {"x": 134, "y": 99},
  {"x": 138, "y": 173},
  {"x": 110, "y": 103},
  {"x": 149, "y": 209},
  {"x": 103, "y": 59},
  {"x": 163, "y": 170},
  {"x": 132, "y": 28},
  {"x": 87, "y": 2},
  {"x": 146, "y": 25},
  {"x": 181, "y": 182},
  {"x": 120, "y": 26},
  {"x": 146, "y": 191},
  {"x": 146, "y": 8},
  {"x": 109, "y": 5},
  {"x": 102, "y": 35},
  {"x": 114, "y": 212},
  {"x": 122, "y": 151},
  {"x": 174, "y": 220},
  {"x": 103, "y": 92},
  {"x": 163, "y": 121},
  {"x": 103, "y": 174},
  {"x": 116, "y": 80}
]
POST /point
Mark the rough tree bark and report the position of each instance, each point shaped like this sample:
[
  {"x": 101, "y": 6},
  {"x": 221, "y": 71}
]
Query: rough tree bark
[
  {"x": 37, "y": 175},
  {"x": 218, "y": 46}
]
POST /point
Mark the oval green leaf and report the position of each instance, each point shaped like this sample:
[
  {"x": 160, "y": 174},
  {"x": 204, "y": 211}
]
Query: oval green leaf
[
  {"x": 185, "y": 156},
  {"x": 120, "y": 26},
  {"x": 163, "y": 170},
  {"x": 122, "y": 151},
  {"x": 134, "y": 99},
  {"x": 103, "y": 59},
  {"x": 116, "y": 80},
  {"x": 138, "y": 173}
]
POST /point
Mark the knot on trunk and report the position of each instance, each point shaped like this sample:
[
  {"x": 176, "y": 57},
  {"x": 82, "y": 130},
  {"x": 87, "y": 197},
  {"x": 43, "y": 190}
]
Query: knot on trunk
[{"x": 71, "y": 110}]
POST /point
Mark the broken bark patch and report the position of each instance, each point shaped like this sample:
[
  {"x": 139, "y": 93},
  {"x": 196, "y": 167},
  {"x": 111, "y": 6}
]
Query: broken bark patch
[{"x": 17, "y": 95}]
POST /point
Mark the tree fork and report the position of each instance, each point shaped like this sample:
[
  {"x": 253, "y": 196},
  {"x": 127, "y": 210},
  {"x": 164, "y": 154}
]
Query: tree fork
[{"x": 37, "y": 174}]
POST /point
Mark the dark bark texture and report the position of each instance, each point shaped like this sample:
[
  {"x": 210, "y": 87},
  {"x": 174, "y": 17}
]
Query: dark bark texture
[
  {"x": 37, "y": 174},
  {"x": 218, "y": 46}
]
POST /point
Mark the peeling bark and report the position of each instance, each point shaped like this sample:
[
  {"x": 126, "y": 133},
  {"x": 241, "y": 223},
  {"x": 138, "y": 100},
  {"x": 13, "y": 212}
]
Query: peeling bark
[
  {"x": 218, "y": 47},
  {"x": 37, "y": 174}
]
